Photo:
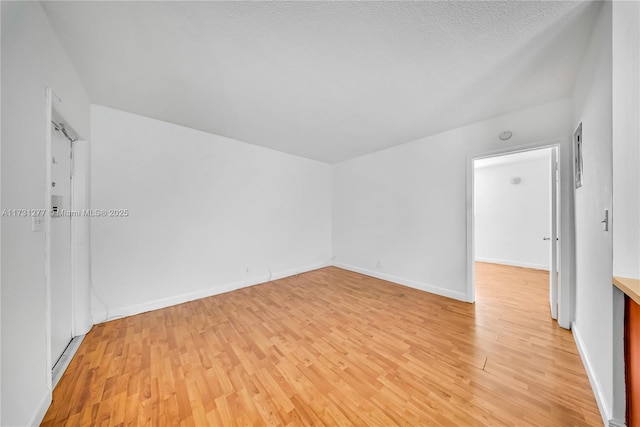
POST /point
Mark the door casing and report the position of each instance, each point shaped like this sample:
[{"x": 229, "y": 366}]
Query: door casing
[
  {"x": 566, "y": 269},
  {"x": 78, "y": 305}
]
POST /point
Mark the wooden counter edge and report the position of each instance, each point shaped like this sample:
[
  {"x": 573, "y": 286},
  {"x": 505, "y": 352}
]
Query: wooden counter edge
[{"x": 631, "y": 287}]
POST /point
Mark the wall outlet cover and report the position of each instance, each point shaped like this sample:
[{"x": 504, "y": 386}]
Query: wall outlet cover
[{"x": 37, "y": 223}]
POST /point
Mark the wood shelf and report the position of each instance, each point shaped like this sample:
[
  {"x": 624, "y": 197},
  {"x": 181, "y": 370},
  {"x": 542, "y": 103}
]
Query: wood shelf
[{"x": 631, "y": 287}]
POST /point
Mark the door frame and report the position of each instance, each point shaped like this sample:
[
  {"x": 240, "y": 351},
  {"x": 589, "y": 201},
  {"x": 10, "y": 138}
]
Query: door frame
[
  {"x": 555, "y": 222},
  {"x": 52, "y": 98},
  {"x": 565, "y": 222}
]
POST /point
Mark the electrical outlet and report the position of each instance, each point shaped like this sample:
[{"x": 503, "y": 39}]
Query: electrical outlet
[
  {"x": 37, "y": 223},
  {"x": 247, "y": 269}
]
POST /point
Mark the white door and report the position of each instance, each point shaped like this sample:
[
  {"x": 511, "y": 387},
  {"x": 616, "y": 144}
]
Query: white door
[
  {"x": 553, "y": 238},
  {"x": 61, "y": 296}
]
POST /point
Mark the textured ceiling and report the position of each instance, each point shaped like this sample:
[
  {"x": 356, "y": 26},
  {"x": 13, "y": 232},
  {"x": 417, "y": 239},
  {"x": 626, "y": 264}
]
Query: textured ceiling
[{"x": 324, "y": 80}]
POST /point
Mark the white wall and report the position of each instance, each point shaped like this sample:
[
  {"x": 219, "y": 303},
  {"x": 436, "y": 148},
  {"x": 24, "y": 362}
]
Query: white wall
[
  {"x": 626, "y": 174},
  {"x": 593, "y": 323},
  {"x": 626, "y": 137},
  {"x": 203, "y": 209},
  {"x": 511, "y": 220},
  {"x": 405, "y": 207},
  {"x": 32, "y": 59},
  {"x": 0, "y": 226}
]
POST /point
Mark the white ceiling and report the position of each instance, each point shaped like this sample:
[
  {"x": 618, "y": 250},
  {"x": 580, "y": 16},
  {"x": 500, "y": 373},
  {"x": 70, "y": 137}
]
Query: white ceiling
[{"x": 324, "y": 80}]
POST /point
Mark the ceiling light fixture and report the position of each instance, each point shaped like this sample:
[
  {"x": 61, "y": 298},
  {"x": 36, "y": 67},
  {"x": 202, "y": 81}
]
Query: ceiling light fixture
[{"x": 505, "y": 135}]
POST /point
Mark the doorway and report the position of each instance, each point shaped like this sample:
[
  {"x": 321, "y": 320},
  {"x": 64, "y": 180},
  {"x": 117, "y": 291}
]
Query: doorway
[
  {"x": 66, "y": 260},
  {"x": 515, "y": 213}
]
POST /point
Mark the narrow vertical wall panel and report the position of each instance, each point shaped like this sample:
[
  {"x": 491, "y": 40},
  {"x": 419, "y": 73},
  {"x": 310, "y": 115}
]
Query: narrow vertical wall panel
[
  {"x": 593, "y": 322},
  {"x": 626, "y": 174},
  {"x": 626, "y": 139}
]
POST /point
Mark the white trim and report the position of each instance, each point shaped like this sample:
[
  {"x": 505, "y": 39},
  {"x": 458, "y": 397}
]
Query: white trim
[
  {"x": 53, "y": 114},
  {"x": 41, "y": 410},
  {"x": 72, "y": 246},
  {"x": 80, "y": 247},
  {"x": 63, "y": 363},
  {"x": 513, "y": 263},
  {"x": 47, "y": 234},
  {"x": 471, "y": 246},
  {"x": 566, "y": 235},
  {"x": 550, "y": 143},
  {"x": 605, "y": 411},
  {"x": 457, "y": 295},
  {"x": 0, "y": 244},
  {"x": 101, "y": 316},
  {"x": 554, "y": 219}
]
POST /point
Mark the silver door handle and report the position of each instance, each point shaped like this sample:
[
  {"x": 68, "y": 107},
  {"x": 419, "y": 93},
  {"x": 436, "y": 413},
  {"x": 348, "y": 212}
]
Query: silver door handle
[{"x": 546, "y": 238}]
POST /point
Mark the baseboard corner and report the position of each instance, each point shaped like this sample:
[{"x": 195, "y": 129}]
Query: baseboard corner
[
  {"x": 41, "y": 409},
  {"x": 603, "y": 406},
  {"x": 436, "y": 290},
  {"x": 617, "y": 423}
]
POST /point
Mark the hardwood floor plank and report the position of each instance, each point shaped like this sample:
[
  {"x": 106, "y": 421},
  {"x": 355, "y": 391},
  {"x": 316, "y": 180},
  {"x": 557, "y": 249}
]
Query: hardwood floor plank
[{"x": 334, "y": 348}]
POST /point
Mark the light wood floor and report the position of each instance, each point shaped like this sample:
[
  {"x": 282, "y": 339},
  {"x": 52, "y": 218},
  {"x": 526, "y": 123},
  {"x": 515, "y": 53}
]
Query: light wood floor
[{"x": 331, "y": 347}]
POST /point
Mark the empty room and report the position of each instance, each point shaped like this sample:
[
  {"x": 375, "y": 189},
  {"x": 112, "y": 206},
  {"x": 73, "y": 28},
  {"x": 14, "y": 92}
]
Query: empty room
[{"x": 220, "y": 213}]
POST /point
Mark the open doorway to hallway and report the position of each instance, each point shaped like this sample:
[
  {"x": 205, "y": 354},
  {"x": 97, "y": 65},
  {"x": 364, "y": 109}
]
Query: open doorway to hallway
[{"x": 515, "y": 199}]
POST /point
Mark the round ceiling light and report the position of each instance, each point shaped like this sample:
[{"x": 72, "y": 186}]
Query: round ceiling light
[{"x": 505, "y": 135}]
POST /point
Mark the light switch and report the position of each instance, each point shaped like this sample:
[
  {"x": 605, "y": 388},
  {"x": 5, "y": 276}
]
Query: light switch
[{"x": 37, "y": 223}]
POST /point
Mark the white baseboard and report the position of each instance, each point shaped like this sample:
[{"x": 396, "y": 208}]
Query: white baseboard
[
  {"x": 63, "y": 363},
  {"x": 603, "y": 406},
  {"x": 103, "y": 316},
  {"x": 41, "y": 410},
  {"x": 457, "y": 295},
  {"x": 513, "y": 263}
]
